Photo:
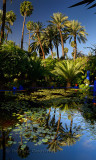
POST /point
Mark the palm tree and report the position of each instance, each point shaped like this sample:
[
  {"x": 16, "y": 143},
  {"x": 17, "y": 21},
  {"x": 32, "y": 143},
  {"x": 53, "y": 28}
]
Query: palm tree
[
  {"x": 56, "y": 40},
  {"x": 48, "y": 38},
  {"x": 3, "y": 21},
  {"x": 88, "y": 2},
  {"x": 7, "y": 27},
  {"x": 35, "y": 47},
  {"x": 59, "y": 20},
  {"x": 10, "y": 18},
  {"x": 69, "y": 70},
  {"x": 26, "y": 9},
  {"x": 37, "y": 30},
  {"x": 1, "y": 14},
  {"x": 29, "y": 27},
  {"x": 77, "y": 32}
]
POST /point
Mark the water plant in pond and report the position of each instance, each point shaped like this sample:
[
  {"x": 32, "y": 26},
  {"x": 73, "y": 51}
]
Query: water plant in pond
[{"x": 52, "y": 128}]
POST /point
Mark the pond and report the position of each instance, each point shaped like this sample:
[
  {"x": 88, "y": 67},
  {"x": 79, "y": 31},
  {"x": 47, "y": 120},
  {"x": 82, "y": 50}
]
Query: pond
[{"x": 48, "y": 133}]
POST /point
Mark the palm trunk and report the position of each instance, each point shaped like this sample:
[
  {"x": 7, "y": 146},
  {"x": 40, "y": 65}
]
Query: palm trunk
[
  {"x": 21, "y": 140},
  {"x": 53, "y": 122},
  {"x": 7, "y": 35},
  {"x": 3, "y": 21},
  {"x": 71, "y": 125},
  {"x": 23, "y": 33},
  {"x": 51, "y": 49},
  {"x": 7, "y": 32},
  {"x": 63, "y": 54},
  {"x": 52, "y": 54},
  {"x": 29, "y": 42},
  {"x": 41, "y": 46},
  {"x": 68, "y": 84},
  {"x": 58, "y": 126},
  {"x": 75, "y": 47},
  {"x": 57, "y": 51},
  {"x": 47, "y": 120}
]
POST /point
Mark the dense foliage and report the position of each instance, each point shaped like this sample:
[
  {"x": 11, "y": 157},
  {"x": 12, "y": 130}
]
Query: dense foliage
[{"x": 35, "y": 67}]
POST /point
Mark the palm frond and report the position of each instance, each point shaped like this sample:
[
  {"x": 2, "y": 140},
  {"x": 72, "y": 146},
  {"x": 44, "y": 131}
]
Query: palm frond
[{"x": 84, "y": 2}]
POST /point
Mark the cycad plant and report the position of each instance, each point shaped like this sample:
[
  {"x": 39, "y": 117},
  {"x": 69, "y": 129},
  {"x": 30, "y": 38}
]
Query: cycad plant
[{"x": 68, "y": 69}]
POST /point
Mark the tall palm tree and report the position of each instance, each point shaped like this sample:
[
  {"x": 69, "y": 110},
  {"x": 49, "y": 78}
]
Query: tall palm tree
[
  {"x": 77, "y": 32},
  {"x": 7, "y": 27},
  {"x": 10, "y": 18},
  {"x": 69, "y": 70},
  {"x": 48, "y": 38},
  {"x": 37, "y": 30},
  {"x": 56, "y": 39},
  {"x": 26, "y": 9},
  {"x": 3, "y": 21},
  {"x": 59, "y": 20},
  {"x": 35, "y": 46},
  {"x": 29, "y": 27}
]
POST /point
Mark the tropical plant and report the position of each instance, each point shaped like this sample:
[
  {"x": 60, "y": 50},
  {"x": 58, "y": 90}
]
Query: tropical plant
[
  {"x": 35, "y": 46},
  {"x": 77, "y": 32},
  {"x": 7, "y": 27},
  {"x": 69, "y": 70},
  {"x": 3, "y": 21},
  {"x": 59, "y": 20},
  {"x": 13, "y": 62},
  {"x": 26, "y": 9},
  {"x": 37, "y": 30},
  {"x": 56, "y": 39},
  {"x": 10, "y": 18},
  {"x": 29, "y": 27},
  {"x": 48, "y": 38}
]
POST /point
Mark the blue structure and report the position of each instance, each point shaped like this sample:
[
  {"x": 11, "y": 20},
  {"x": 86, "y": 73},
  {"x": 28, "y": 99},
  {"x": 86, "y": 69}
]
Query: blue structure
[
  {"x": 76, "y": 86},
  {"x": 14, "y": 88},
  {"x": 94, "y": 89},
  {"x": 21, "y": 87},
  {"x": 88, "y": 75},
  {"x": 94, "y": 92}
]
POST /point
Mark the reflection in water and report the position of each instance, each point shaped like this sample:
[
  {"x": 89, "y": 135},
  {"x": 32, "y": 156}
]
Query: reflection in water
[
  {"x": 52, "y": 128},
  {"x": 6, "y": 125}
]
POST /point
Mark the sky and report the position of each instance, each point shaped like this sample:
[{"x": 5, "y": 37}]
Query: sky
[{"x": 43, "y": 9}]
